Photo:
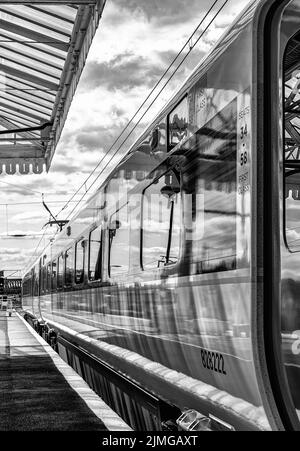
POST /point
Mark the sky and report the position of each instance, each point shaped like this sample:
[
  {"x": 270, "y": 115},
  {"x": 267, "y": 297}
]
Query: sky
[{"x": 135, "y": 42}]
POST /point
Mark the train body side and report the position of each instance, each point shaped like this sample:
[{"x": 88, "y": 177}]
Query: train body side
[{"x": 185, "y": 307}]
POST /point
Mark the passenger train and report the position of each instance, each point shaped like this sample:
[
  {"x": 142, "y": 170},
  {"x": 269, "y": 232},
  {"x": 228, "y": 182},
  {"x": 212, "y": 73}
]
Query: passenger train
[{"x": 175, "y": 291}]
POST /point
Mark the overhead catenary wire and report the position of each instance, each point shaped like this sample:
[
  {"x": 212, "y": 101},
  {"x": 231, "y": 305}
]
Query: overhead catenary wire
[
  {"x": 21, "y": 187},
  {"x": 187, "y": 43},
  {"x": 15, "y": 236},
  {"x": 55, "y": 202},
  {"x": 163, "y": 87},
  {"x": 24, "y": 188}
]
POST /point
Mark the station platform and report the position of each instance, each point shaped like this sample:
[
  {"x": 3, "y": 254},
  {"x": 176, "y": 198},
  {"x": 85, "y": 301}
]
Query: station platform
[{"x": 40, "y": 392}]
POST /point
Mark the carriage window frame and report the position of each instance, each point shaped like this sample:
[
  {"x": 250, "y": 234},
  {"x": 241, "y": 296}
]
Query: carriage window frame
[
  {"x": 80, "y": 242},
  {"x": 101, "y": 253},
  {"x": 165, "y": 266}
]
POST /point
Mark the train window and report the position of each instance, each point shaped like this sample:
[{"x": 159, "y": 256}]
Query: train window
[
  {"x": 79, "y": 262},
  {"x": 289, "y": 302},
  {"x": 53, "y": 275},
  {"x": 40, "y": 281},
  {"x": 178, "y": 123},
  {"x": 292, "y": 186},
  {"x": 158, "y": 141},
  {"x": 119, "y": 242},
  {"x": 209, "y": 181},
  {"x": 36, "y": 282},
  {"x": 95, "y": 254},
  {"x": 43, "y": 273},
  {"x": 60, "y": 271},
  {"x": 292, "y": 147},
  {"x": 69, "y": 265},
  {"x": 27, "y": 286},
  {"x": 48, "y": 275},
  {"x": 161, "y": 222}
]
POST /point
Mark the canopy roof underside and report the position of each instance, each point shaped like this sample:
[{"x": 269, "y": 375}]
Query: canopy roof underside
[{"x": 43, "y": 49}]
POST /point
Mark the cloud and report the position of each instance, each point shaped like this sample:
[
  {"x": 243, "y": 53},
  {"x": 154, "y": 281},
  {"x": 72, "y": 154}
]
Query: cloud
[
  {"x": 124, "y": 72},
  {"x": 16, "y": 185},
  {"x": 97, "y": 138},
  {"x": 190, "y": 62},
  {"x": 29, "y": 216},
  {"x": 64, "y": 166},
  {"x": 10, "y": 251},
  {"x": 101, "y": 138},
  {"x": 14, "y": 258},
  {"x": 167, "y": 12}
]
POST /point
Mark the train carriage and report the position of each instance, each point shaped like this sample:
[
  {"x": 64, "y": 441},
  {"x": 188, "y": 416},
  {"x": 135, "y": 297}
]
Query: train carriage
[{"x": 175, "y": 291}]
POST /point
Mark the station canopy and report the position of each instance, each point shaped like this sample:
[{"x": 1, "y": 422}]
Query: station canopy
[{"x": 43, "y": 49}]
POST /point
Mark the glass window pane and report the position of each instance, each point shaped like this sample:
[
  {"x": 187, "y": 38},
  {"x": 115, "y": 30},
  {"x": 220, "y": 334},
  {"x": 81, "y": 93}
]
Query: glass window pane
[
  {"x": 48, "y": 277},
  {"x": 66, "y": 13},
  {"x": 179, "y": 123},
  {"x": 28, "y": 51},
  {"x": 44, "y": 17},
  {"x": 20, "y": 66},
  {"x": 43, "y": 276},
  {"x": 60, "y": 269},
  {"x": 292, "y": 222},
  {"x": 161, "y": 222},
  {"x": 18, "y": 19},
  {"x": 53, "y": 276},
  {"x": 175, "y": 238},
  {"x": 119, "y": 242},
  {"x": 69, "y": 267},
  {"x": 79, "y": 265},
  {"x": 32, "y": 104},
  {"x": 13, "y": 102},
  {"x": 27, "y": 60},
  {"x": 210, "y": 186},
  {"x": 95, "y": 254},
  {"x": 36, "y": 281}
]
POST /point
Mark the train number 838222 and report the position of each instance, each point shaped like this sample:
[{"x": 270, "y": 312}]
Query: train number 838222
[{"x": 213, "y": 361}]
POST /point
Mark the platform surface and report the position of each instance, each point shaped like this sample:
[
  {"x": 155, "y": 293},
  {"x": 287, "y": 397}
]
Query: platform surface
[{"x": 39, "y": 391}]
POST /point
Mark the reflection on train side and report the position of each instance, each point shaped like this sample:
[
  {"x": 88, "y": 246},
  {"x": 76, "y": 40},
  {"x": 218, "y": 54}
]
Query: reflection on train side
[
  {"x": 163, "y": 268},
  {"x": 171, "y": 324},
  {"x": 173, "y": 293}
]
